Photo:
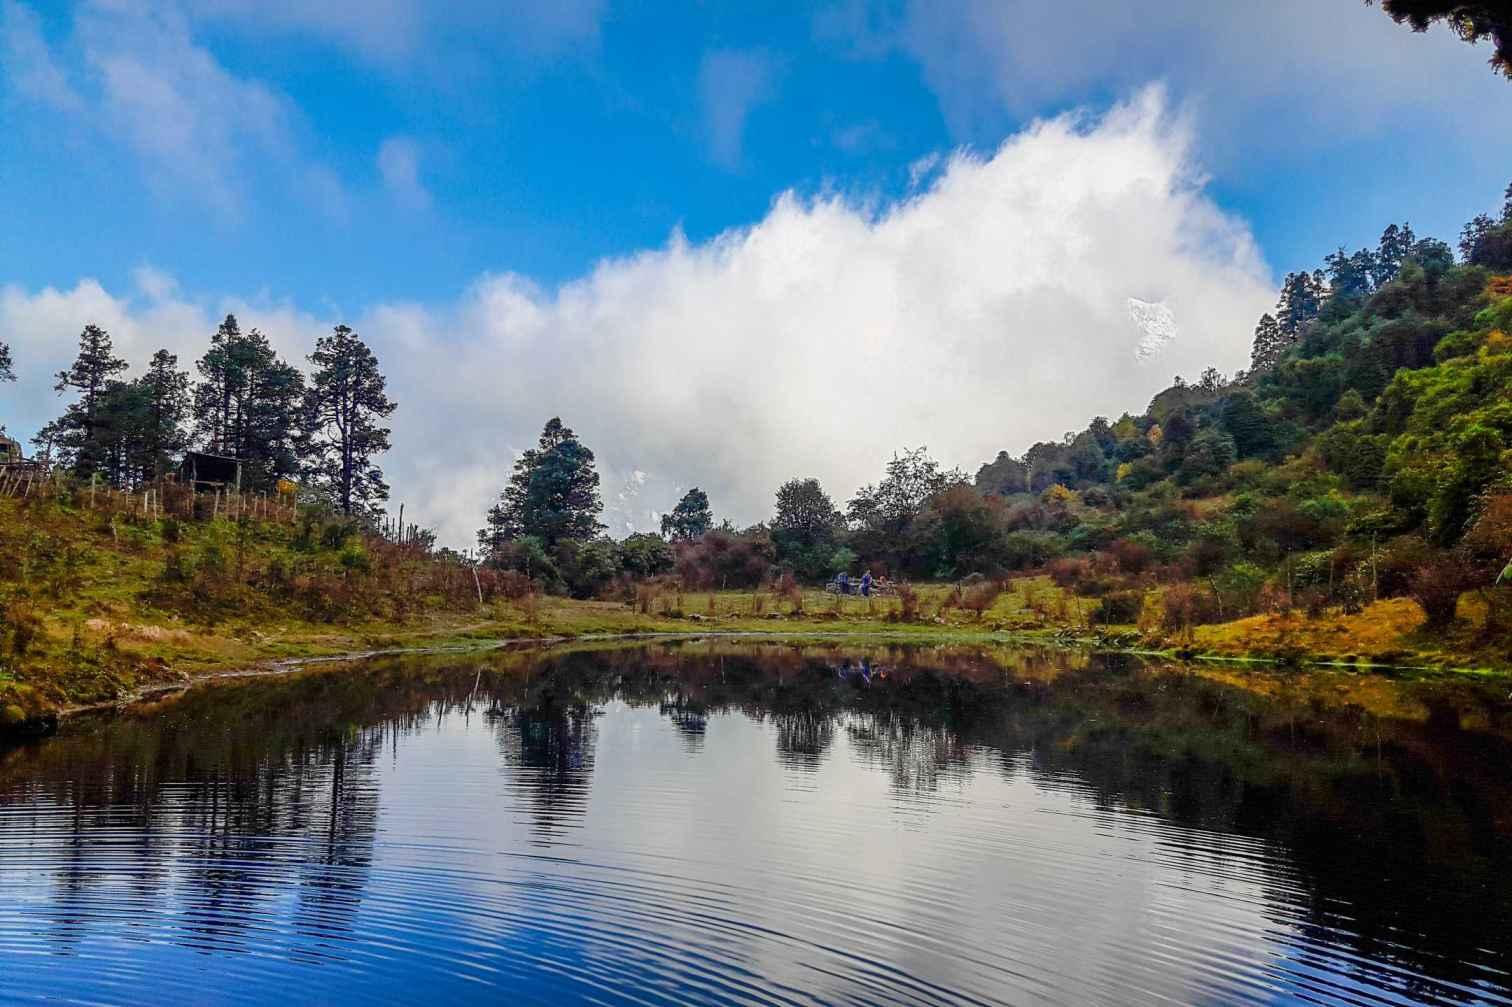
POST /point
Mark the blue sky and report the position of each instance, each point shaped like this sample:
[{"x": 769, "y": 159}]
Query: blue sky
[{"x": 401, "y": 164}]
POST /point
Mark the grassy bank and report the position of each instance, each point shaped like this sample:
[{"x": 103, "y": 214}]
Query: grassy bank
[{"x": 100, "y": 602}]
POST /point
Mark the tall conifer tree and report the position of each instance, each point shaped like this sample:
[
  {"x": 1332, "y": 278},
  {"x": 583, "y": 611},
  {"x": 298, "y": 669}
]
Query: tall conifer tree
[{"x": 343, "y": 407}]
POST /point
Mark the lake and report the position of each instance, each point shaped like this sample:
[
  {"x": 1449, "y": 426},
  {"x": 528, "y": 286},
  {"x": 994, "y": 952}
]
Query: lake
[{"x": 715, "y": 822}]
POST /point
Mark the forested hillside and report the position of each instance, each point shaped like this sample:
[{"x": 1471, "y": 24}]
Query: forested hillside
[{"x": 1364, "y": 455}]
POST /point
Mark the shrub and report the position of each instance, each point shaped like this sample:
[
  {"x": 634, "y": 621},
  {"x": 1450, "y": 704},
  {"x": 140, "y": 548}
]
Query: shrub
[
  {"x": 1069, "y": 571},
  {"x": 1397, "y": 564},
  {"x": 23, "y": 626},
  {"x": 788, "y": 588},
  {"x": 1239, "y": 587},
  {"x": 1132, "y": 557},
  {"x": 1438, "y": 584},
  {"x": 1120, "y": 607},
  {"x": 1187, "y": 606},
  {"x": 980, "y": 597},
  {"x": 908, "y": 601},
  {"x": 723, "y": 559},
  {"x": 335, "y": 534},
  {"x": 354, "y": 559}
]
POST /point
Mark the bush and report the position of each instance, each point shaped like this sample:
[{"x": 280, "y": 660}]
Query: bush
[
  {"x": 1120, "y": 607},
  {"x": 1024, "y": 550},
  {"x": 1239, "y": 587},
  {"x": 1437, "y": 586},
  {"x": 788, "y": 588},
  {"x": 725, "y": 559},
  {"x": 1069, "y": 571},
  {"x": 1186, "y": 606},
  {"x": 908, "y": 601},
  {"x": 980, "y": 597},
  {"x": 1397, "y": 564},
  {"x": 1132, "y": 557},
  {"x": 354, "y": 559},
  {"x": 22, "y": 625}
]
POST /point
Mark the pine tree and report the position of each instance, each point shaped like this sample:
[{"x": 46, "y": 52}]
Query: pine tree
[
  {"x": 552, "y": 496},
  {"x": 7, "y": 368},
  {"x": 1396, "y": 247},
  {"x": 1470, "y": 21},
  {"x": 690, "y": 519},
  {"x": 219, "y": 380},
  {"x": 164, "y": 409},
  {"x": 249, "y": 405},
  {"x": 1350, "y": 275},
  {"x": 1300, "y": 301},
  {"x": 1270, "y": 343},
  {"x": 81, "y": 436},
  {"x": 342, "y": 407}
]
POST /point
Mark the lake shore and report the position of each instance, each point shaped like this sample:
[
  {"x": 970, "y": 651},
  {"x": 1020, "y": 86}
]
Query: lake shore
[{"x": 106, "y": 662}]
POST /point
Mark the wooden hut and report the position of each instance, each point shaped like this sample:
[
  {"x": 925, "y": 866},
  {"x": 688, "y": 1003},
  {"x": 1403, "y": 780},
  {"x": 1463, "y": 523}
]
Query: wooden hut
[
  {"x": 10, "y": 451},
  {"x": 205, "y": 472}
]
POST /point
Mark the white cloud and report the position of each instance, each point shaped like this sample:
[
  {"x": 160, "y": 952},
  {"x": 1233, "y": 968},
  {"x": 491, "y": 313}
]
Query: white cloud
[
  {"x": 154, "y": 284},
  {"x": 986, "y": 311},
  {"x": 29, "y": 60},
  {"x": 396, "y": 33},
  {"x": 1288, "y": 73},
  {"x": 399, "y": 167},
  {"x": 170, "y": 100},
  {"x": 730, "y": 84},
  {"x": 133, "y": 71}
]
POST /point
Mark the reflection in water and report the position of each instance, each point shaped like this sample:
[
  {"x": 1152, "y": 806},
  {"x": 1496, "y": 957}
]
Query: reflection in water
[{"x": 768, "y": 823}]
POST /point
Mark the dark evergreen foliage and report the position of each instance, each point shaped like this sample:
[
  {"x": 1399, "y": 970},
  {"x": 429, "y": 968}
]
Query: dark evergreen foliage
[
  {"x": 249, "y": 405},
  {"x": 552, "y": 496},
  {"x": 343, "y": 406},
  {"x": 1487, "y": 19}
]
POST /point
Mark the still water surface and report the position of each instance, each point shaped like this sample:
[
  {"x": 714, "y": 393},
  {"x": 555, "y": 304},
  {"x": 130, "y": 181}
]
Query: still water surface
[{"x": 705, "y": 823}]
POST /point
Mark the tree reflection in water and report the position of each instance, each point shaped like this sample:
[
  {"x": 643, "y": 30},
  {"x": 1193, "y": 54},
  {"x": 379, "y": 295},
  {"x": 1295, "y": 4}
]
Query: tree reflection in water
[{"x": 215, "y": 808}]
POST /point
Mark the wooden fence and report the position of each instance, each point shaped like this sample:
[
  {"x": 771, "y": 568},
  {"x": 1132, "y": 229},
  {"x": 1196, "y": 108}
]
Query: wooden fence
[{"x": 164, "y": 497}]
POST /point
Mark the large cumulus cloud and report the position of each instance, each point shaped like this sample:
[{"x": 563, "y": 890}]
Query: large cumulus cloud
[{"x": 986, "y": 310}]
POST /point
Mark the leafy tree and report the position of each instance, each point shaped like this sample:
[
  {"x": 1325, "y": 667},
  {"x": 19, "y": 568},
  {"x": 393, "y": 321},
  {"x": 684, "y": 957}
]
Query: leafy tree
[
  {"x": 806, "y": 516},
  {"x": 586, "y": 567},
  {"x": 690, "y": 519},
  {"x": 1470, "y": 21},
  {"x": 645, "y": 555},
  {"x": 806, "y": 527},
  {"x": 553, "y": 494},
  {"x": 343, "y": 406},
  {"x": 1248, "y": 425},
  {"x": 1210, "y": 452},
  {"x": 80, "y": 435},
  {"x": 220, "y": 379},
  {"x": 912, "y": 478},
  {"x": 1003, "y": 476},
  {"x": 7, "y": 368},
  {"x": 964, "y": 532}
]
